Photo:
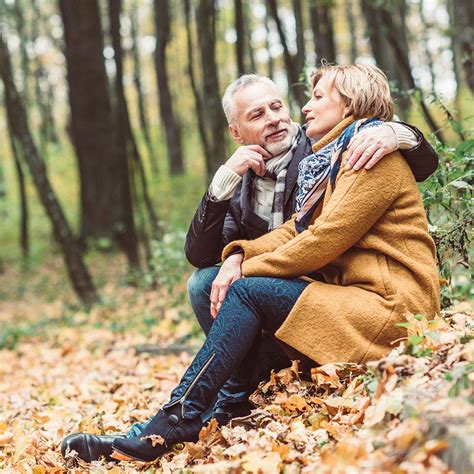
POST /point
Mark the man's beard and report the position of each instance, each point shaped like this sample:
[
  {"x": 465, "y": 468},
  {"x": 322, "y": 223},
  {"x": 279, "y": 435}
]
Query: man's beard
[{"x": 277, "y": 148}]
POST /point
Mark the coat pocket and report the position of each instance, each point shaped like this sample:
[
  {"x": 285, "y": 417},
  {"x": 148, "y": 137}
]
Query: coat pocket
[{"x": 385, "y": 274}]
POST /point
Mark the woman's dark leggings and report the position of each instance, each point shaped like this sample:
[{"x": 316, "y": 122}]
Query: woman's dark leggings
[{"x": 233, "y": 343}]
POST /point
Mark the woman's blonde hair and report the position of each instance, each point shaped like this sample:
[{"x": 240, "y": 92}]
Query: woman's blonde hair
[{"x": 364, "y": 89}]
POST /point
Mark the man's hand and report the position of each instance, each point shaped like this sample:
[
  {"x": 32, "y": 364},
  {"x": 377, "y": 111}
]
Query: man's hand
[
  {"x": 369, "y": 146},
  {"x": 229, "y": 272},
  {"x": 250, "y": 156}
]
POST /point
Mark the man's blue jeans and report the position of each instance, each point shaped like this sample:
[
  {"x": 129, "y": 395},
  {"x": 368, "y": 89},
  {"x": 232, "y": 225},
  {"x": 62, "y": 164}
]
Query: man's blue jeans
[{"x": 263, "y": 354}]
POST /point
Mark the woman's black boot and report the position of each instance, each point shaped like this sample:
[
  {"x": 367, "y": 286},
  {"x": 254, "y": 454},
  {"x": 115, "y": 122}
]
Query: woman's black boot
[{"x": 170, "y": 425}]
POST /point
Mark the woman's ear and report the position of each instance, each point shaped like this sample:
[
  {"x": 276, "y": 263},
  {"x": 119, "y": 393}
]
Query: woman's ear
[{"x": 346, "y": 112}]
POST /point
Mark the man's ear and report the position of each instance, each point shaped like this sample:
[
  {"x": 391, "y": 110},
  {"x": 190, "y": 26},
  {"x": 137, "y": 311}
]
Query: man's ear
[{"x": 234, "y": 131}]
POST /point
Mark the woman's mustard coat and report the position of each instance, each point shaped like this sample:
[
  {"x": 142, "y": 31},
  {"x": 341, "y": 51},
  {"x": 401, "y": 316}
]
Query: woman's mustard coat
[{"x": 371, "y": 244}]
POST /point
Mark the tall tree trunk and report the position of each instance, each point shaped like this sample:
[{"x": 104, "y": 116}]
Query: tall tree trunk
[
  {"x": 43, "y": 88},
  {"x": 240, "y": 37},
  {"x": 168, "y": 117},
  {"x": 137, "y": 81},
  {"x": 296, "y": 86},
  {"x": 271, "y": 65},
  {"x": 351, "y": 21},
  {"x": 401, "y": 54},
  {"x": 461, "y": 14},
  {"x": 105, "y": 195},
  {"x": 299, "y": 57},
  {"x": 18, "y": 13},
  {"x": 125, "y": 134},
  {"x": 252, "y": 66},
  {"x": 323, "y": 32},
  {"x": 77, "y": 270},
  {"x": 24, "y": 214},
  {"x": 425, "y": 45},
  {"x": 192, "y": 78},
  {"x": 213, "y": 113},
  {"x": 383, "y": 52}
]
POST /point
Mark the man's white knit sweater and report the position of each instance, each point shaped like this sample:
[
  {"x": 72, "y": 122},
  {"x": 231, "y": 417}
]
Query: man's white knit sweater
[{"x": 225, "y": 180}]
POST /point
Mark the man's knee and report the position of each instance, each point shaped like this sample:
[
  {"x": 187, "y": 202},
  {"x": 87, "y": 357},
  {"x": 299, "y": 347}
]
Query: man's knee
[{"x": 200, "y": 282}]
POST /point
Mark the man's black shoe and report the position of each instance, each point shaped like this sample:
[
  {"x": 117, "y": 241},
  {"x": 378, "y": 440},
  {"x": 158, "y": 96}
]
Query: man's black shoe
[
  {"x": 164, "y": 430},
  {"x": 88, "y": 446}
]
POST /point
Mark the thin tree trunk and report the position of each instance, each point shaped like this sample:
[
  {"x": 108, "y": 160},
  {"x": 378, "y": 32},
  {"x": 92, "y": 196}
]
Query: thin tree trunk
[
  {"x": 299, "y": 57},
  {"x": 213, "y": 113},
  {"x": 24, "y": 214},
  {"x": 192, "y": 78},
  {"x": 323, "y": 32},
  {"x": 352, "y": 31},
  {"x": 168, "y": 117},
  {"x": 137, "y": 81},
  {"x": 383, "y": 52},
  {"x": 271, "y": 65},
  {"x": 296, "y": 87},
  {"x": 44, "y": 98},
  {"x": 240, "y": 37},
  {"x": 124, "y": 126},
  {"x": 18, "y": 12},
  {"x": 252, "y": 66},
  {"x": 78, "y": 273},
  {"x": 426, "y": 50},
  {"x": 401, "y": 55}
]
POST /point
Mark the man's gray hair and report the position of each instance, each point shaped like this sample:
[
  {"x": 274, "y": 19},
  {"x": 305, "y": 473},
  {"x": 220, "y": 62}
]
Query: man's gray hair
[{"x": 246, "y": 80}]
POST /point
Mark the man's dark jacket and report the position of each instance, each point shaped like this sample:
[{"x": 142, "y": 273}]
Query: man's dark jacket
[{"x": 216, "y": 223}]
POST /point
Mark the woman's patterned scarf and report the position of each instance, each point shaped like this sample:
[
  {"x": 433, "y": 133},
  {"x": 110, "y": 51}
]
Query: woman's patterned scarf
[{"x": 322, "y": 166}]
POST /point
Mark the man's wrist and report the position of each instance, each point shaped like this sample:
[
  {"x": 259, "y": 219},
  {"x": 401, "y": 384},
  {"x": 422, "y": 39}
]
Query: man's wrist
[
  {"x": 405, "y": 137},
  {"x": 224, "y": 183}
]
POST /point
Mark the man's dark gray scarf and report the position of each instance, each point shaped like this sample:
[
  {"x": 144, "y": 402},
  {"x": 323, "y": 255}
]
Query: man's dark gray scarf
[{"x": 276, "y": 169}]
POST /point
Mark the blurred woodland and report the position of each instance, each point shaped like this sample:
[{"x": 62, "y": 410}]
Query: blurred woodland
[{"x": 112, "y": 118}]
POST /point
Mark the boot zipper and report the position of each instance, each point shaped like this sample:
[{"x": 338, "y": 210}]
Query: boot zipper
[{"x": 186, "y": 393}]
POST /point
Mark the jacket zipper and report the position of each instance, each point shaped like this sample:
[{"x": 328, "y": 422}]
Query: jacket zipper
[{"x": 186, "y": 393}]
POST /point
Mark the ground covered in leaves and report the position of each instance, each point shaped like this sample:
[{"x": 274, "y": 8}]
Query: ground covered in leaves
[{"x": 65, "y": 370}]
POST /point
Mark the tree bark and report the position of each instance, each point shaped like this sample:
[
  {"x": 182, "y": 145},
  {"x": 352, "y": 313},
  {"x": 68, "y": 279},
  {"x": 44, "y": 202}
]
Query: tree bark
[
  {"x": 323, "y": 32},
  {"x": 296, "y": 87},
  {"x": 240, "y": 37},
  {"x": 461, "y": 20},
  {"x": 92, "y": 129},
  {"x": 383, "y": 52},
  {"x": 137, "y": 81},
  {"x": 213, "y": 113},
  {"x": 24, "y": 214},
  {"x": 77, "y": 271},
  {"x": 168, "y": 117},
  {"x": 351, "y": 21},
  {"x": 401, "y": 54},
  {"x": 192, "y": 78}
]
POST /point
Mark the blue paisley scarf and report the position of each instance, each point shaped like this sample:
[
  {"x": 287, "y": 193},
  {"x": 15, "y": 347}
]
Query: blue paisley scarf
[{"x": 322, "y": 166}]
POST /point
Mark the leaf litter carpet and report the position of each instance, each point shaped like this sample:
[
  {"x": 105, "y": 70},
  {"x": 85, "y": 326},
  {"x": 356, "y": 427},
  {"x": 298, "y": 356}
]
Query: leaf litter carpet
[{"x": 392, "y": 415}]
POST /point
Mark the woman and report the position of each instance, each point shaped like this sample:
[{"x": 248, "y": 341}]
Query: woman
[{"x": 365, "y": 236}]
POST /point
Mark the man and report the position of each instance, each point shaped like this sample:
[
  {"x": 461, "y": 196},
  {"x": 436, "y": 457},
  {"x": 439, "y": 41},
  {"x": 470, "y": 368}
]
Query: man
[{"x": 250, "y": 195}]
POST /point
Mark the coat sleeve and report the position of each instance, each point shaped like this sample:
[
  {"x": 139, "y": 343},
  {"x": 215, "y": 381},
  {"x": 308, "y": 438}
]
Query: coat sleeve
[
  {"x": 359, "y": 200},
  {"x": 211, "y": 229},
  {"x": 422, "y": 159},
  {"x": 265, "y": 243}
]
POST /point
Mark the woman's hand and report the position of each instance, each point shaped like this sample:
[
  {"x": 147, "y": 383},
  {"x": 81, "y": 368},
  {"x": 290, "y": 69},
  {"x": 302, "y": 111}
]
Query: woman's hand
[{"x": 229, "y": 272}]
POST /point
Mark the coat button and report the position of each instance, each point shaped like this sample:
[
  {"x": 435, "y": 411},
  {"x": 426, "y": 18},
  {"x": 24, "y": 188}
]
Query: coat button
[{"x": 173, "y": 420}]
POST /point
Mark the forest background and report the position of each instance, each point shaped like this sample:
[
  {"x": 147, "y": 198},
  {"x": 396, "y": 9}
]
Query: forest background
[{"x": 112, "y": 128}]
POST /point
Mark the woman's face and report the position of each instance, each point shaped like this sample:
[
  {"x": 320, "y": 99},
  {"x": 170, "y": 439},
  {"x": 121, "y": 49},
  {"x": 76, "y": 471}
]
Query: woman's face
[{"x": 325, "y": 109}]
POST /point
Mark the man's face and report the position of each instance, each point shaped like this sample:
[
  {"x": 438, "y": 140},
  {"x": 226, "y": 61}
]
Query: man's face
[{"x": 261, "y": 118}]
